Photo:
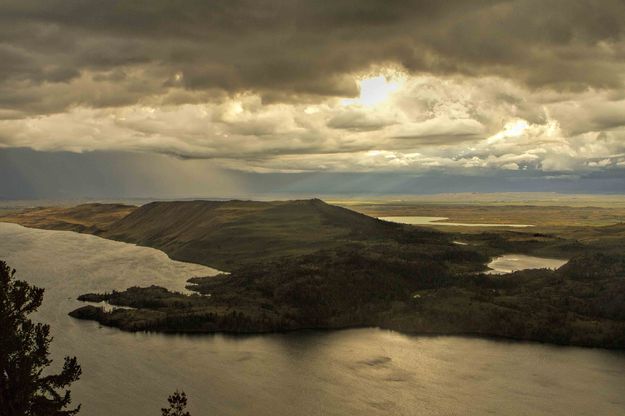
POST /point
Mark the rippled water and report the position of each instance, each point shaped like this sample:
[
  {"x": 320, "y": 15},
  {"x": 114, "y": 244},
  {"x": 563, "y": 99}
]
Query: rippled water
[
  {"x": 512, "y": 262},
  {"x": 353, "y": 372}
]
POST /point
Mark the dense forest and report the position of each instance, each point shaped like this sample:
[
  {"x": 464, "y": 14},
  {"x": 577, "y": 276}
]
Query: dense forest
[
  {"x": 583, "y": 303},
  {"x": 308, "y": 264}
]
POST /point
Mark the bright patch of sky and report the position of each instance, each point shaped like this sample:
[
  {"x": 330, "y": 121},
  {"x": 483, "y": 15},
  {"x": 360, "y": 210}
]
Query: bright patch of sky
[{"x": 400, "y": 122}]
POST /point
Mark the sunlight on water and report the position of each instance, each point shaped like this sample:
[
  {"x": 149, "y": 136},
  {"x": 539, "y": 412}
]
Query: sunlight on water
[
  {"x": 415, "y": 220},
  {"x": 513, "y": 262},
  {"x": 352, "y": 372}
]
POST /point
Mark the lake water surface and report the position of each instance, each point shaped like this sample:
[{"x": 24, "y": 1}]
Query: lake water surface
[
  {"x": 415, "y": 220},
  {"x": 352, "y": 372},
  {"x": 509, "y": 263}
]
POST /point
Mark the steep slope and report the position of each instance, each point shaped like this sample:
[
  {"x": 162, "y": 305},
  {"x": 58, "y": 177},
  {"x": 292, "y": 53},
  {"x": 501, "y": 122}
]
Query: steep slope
[
  {"x": 226, "y": 234},
  {"x": 85, "y": 218},
  {"x": 232, "y": 233}
]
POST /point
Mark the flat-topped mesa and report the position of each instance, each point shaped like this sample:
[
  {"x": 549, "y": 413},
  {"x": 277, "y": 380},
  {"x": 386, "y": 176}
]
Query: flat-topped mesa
[
  {"x": 225, "y": 234},
  {"x": 229, "y": 234}
]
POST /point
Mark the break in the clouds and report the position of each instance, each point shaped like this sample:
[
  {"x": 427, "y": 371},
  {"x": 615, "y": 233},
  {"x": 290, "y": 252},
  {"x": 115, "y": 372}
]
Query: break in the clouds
[{"x": 355, "y": 85}]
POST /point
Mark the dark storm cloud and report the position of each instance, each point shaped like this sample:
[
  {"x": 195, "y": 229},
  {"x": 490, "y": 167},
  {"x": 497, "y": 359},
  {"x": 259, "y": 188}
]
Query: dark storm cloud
[
  {"x": 289, "y": 50},
  {"x": 60, "y": 175}
]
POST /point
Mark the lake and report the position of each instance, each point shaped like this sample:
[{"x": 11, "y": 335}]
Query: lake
[
  {"x": 415, "y": 220},
  {"x": 351, "y": 372},
  {"x": 509, "y": 263}
]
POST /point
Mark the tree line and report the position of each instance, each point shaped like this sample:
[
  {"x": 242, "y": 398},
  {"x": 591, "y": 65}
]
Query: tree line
[{"x": 26, "y": 387}]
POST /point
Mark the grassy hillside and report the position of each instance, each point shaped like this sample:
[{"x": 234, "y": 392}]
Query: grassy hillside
[
  {"x": 227, "y": 234},
  {"x": 232, "y": 233},
  {"x": 86, "y": 218}
]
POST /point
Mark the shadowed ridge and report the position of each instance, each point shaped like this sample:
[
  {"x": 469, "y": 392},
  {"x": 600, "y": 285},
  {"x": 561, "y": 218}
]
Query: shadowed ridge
[
  {"x": 227, "y": 234},
  {"x": 358, "y": 224}
]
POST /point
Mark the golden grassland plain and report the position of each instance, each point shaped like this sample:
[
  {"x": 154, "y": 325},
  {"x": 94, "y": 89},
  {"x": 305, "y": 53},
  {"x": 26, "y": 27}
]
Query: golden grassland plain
[
  {"x": 80, "y": 218},
  {"x": 538, "y": 210},
  {"x": 541, "y": 209},
  {"x": 495, "y": 198}
]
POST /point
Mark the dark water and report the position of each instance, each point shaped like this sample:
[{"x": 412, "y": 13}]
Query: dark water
[{"x": 354, "y": 372}]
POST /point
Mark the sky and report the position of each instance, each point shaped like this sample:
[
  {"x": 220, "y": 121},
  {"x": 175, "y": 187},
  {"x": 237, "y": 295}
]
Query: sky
[{"x": 211, "y": 98}]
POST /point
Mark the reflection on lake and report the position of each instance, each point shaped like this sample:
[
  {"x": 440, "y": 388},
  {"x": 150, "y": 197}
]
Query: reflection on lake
[
  {"x": 352, "y": 372},
  {"x": 513, "y": 262},
  {"x": 413, "y": 220}
]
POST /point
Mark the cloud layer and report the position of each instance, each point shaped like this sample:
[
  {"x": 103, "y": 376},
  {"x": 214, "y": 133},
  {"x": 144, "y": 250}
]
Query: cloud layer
[{"x": 354, "y": 85}]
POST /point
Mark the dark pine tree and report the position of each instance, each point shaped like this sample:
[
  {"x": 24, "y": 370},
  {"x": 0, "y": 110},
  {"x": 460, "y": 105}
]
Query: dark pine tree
[
  {"x": 177, "y": 405},
  {"x": 26, "y": 389}
]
